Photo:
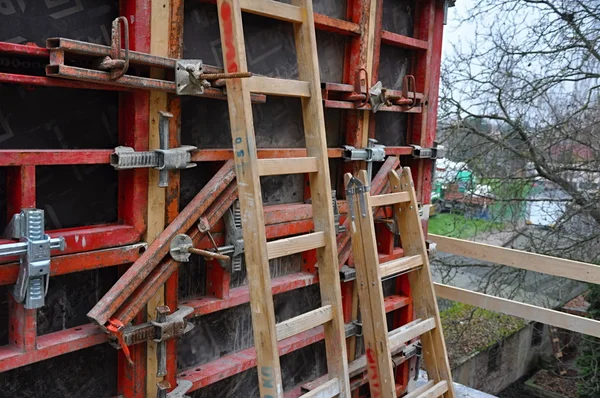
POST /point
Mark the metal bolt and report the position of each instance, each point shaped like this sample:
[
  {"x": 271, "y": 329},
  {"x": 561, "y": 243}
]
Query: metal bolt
[
  {"x": 161, "y": 348},
  {"x": 162, "y": 388}
]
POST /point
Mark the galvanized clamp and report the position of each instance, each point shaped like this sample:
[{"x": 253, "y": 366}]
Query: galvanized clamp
[
  {"x": 347, "y": 273},
  {"x": 183, "y": 386},
  {"x": 165, "y": 327},
  {"x": 372, "y": 153},
  {"x": 34, "y": 251},
  {"x": 379, "y": 96},
  {"x": 436, "y": 152},
  {"x": 190, "y": 78},
  {"x": 339, "y": 228},
  {"x": 163, "y": 159},
  {"x": 356, "y": 187}
]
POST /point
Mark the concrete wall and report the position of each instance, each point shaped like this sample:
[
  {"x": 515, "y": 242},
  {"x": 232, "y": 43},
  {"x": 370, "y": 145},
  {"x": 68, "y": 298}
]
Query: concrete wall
[{"x": 515, "y": 357}]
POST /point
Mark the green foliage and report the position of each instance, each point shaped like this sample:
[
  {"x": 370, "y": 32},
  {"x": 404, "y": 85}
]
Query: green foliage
[
  {"x": 458, "y": 226},
  {"x": 588, "y": 360}
]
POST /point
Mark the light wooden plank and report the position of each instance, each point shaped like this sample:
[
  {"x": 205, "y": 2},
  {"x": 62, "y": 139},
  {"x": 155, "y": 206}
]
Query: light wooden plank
[
  {"x": 326, "y": 390},
  {"x": 320, "y": 186},
  {"x": 389, "y": 199},
  {"x": 526, "y": 311},
  {"x": 296, "y": 244},
  {"x": 420, "y": 390},
  {"x": 412, "y": 332},
  {"x": 584, "y": 272},
  {"x": 273, "y": 9},
  {"x": 159, "y": 45},
  {"x": 278, "y": 87},
  {"x": 435, "y": 391},
  {"x": 424, "y": 299},
  {"x": 273, "y": 167},
  {"x": 303, "y": 322},
  {"x": 401, "y": 265},
  {"x": 249, "y": 191},
  {"x": 370, "y": 293}
]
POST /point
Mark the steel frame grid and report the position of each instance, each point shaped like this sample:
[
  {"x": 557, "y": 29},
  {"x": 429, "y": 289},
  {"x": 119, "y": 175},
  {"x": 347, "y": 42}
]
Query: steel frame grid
[{"x": 88, "y": 334}]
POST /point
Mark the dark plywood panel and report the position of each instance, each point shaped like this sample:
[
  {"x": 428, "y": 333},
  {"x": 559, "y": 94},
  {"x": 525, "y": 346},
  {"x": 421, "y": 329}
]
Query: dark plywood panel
[
  {"x": 73, "y": 196},
  {"x": 229, "y": 331},
  {"x": 24, "y": 21},
  {"x": 394, "y": 64},
  {"x": 89, "y": 373},
  {"x": 398, "y": 16},
  {"x": 58, "y": 118},
  {"x": 71, "y": 296}
]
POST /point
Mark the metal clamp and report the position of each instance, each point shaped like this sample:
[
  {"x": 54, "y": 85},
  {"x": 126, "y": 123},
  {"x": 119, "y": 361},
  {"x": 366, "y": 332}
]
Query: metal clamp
[
  {"x": 339, "y": 228},
  {"x": 379, "y": 96},
  {"x": 347, "y": 273},
  {"x": 372, "y": 153},
  {"x": 114, "y": 63},
  {"x": 165, "y": 327},
  {"x": 34, "y": 249},
  {"x": 183, "y": 386},
  {"x": 356, "y": 187},
  {"x": 163, "y": 159},
  {"x": 436, "y": 152},
  {"x": 233, "y": 238},
  {"x": 190, "y": 78}
]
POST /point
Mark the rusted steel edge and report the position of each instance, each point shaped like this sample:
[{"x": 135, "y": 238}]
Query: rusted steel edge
[
  {"x": 137, "y": 301},
  {"x": 136, "y": 274}
]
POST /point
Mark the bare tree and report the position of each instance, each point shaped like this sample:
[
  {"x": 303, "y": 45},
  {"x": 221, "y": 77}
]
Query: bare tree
[{"x": 520, "y": 104}]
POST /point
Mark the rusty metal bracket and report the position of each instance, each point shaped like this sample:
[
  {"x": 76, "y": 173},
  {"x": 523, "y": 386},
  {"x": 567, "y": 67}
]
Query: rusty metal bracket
[
  {"x": 115, "y": 64},
  {"x": 435, "y": 152},
  {"x": 173, "y": 325}
]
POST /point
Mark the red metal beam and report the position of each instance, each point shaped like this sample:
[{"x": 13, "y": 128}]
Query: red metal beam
[
  {"x": 396, "y": 40},
  {"x": 51, "y": 345},
  {"x": 339, "y": 26},
  {"x": 45, "y": 157},
  {"x": 85, "y": 261},
  {"x": 238, "y": 362}
]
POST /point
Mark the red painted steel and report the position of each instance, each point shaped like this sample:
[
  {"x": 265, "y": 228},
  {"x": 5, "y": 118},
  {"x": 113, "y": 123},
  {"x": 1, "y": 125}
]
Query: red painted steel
[
  {"x": 39, "y": 157},
  {"x": 238, "y": 362},
  {"x": 396, "y": 40},
  {"x": 51, "y": 345},
  {"x": 67, "y": 264}
]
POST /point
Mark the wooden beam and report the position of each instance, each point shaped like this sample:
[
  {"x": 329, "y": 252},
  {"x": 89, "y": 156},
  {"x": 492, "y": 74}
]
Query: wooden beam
[
  {"x": 407, "y": 334},
  {"x": 272, "y": 9},
  {"x": 295, "y": 244},
  {"x": 273, "y": 167},
  {"x": 400, "y": 265},
  {"x": 576, "y": 270},
  {"x": 303, "y": 322},
  {"x": 159, "y": 45},
  {"x": 279, "y": 87},
  {"x": 389, "y": 199},
  {"x": 526, "y": 311}
]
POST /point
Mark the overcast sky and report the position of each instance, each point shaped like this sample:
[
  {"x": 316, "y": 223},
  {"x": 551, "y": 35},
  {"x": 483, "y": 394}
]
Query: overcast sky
[{"x": 453, "y": 33}]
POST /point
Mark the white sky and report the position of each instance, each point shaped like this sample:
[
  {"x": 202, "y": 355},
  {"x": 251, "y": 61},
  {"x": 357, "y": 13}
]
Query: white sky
[{"x": 453, "y": 33}]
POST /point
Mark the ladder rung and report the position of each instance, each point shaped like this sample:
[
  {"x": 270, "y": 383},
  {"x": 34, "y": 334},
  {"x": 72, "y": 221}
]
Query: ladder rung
[
  {"x": 304, "y": 322},
  {"x": 389, "y": 199},
  {"x": 429, "y": 390},
  {"x": 326, "y": 390},
  {"x": 273, "y": 167},
  {"x": 297, "y": 244},
  {"x": 407, "y": 334},
  {"x": 280, "y": 87},
  {"x": 436, "y": 391},
  {"x": 401, "y": 265},
  {"x": 273, "y": 9}
]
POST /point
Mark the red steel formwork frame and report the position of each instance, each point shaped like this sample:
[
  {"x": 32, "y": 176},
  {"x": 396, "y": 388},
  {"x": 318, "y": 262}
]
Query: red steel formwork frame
[{"x": 117, "y": 244}]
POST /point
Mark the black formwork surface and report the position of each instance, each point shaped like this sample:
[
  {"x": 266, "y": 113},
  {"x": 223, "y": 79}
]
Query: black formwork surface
[{"x": 59, "y": 118}]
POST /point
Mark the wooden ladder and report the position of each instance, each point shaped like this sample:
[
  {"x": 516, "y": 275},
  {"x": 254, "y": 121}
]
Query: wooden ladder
[
  {"x": 369, "y": 274},
  {"x": 249, "y": 169}
]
